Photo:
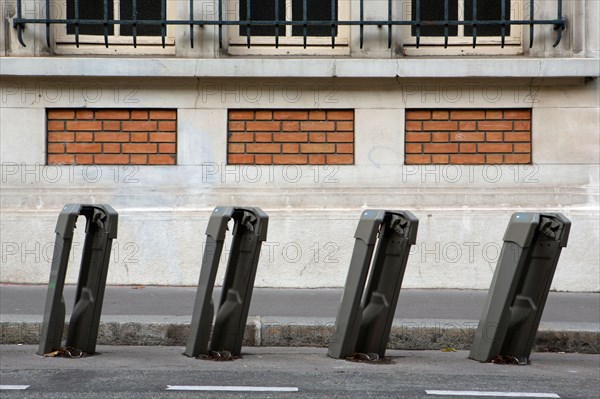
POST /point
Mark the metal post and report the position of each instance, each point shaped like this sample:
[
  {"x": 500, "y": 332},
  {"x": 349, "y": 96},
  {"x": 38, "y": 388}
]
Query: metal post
[
  {"x": 364, "y": 321},
  {"x": 517, "y": 295},
  {"x": 249, "y": 231},
  {"x": 101, "y": 229}
]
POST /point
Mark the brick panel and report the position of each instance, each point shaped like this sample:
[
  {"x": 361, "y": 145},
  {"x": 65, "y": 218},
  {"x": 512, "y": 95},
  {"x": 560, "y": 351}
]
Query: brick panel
[
  {"x": 467, "y": 136},
  {"x": 112, "y": 136},
  {"x": 290, "y": 137}
]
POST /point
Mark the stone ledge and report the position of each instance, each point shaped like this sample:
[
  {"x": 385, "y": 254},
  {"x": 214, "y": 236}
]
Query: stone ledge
[{"x": 415, "y": 68}]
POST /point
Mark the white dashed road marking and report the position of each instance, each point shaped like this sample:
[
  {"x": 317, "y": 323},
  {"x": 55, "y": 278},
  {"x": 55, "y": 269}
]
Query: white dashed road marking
[
  {"x": 13, "y": 387},
  {"x": 493, "y": 393},
  {"x": 229, "y": 388}
]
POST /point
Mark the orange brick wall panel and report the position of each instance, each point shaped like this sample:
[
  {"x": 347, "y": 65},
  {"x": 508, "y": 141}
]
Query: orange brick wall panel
[
  {"x": 290, "y": 137},
  {"x": 111, "y": 136},
  {"x": 467, "y": 136}
]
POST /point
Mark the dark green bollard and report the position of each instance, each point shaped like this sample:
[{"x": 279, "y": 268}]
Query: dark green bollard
[
  {"x": 100, "y": 230},
  {"x": 364, "y": 322},
  {"x": 522, "y": 279},
  {"x": 249, "y": 231}
]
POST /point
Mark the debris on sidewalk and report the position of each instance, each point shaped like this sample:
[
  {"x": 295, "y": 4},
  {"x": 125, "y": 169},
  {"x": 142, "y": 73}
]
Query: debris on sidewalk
[
  {"x": 372, "y": 358},
  {"x": 500, "y": 359},
  {"x": 68, "y": 352},
  {"x": 448, "y": 349},
  {"x": 218, "y": 356}
]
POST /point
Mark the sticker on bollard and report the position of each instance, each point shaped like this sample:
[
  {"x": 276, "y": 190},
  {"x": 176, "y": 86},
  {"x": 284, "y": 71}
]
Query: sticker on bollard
[
  {"x": 364, "y": 321},
  {"x": 249, "y": 232},
  {"x": 100, "y": 230},
  {"x": 517, "y": 295}
]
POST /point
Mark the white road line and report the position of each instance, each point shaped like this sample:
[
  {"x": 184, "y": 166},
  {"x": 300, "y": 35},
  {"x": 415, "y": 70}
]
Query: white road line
[
  {"x": 229, "y": 388},
  {"x": 13, "y": 387},
  {"x": 492, "y": 393}
]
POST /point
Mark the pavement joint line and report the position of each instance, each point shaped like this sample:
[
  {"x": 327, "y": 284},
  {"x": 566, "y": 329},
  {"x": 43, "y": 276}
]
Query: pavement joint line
[
  {"x": 229, "y": 388},
  {"x": 493, "y": 393}
]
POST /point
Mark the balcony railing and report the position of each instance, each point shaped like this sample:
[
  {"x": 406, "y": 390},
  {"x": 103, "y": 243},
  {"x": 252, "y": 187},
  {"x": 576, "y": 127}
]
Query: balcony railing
[{"x": 559, "y": 23}]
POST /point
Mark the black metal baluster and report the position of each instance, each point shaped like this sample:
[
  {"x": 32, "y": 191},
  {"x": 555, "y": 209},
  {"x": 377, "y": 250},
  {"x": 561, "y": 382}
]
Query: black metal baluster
[
  {"x": 220, "y": 23},
  {"x": 446, "y": 11},
  {"x": 163, "y": 17},
  {"x": 531, "y": 7},
  {"x": 304, "y": 21},
  {"x": 106, "y": 23},
  {"x": 389, "y": 23},
  {"x": 559, "y": 27},
  {"x": 362, "y": 25},
  {"x": 19, "y": 25},
  {"x": 474, "y": 23},
  {"x": 248, "y": 22},
  {"x": 418, "y": 21},
  {"x": 333, "y": 22},
  {"x": 277, "y": 23},
  {"x": 503, "y": 26},
  {"x": 191, "y": 24},
  {"x": 77, "y": 23},
  {"x": 134, "y": 23},
  {"x": 48, "y": 23}
]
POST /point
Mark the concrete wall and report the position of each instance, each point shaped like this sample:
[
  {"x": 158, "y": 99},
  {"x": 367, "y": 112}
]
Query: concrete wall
[{"x": 463, "y": 210}]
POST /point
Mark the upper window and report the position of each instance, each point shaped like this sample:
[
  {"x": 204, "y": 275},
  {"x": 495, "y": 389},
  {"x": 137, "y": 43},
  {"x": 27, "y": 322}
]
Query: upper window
[
  {"x": 129, "y": 37},
  {"x": 433, "y": 32},
  {"x": 293, "y": 27},
  {"x": 291, "y": 36}
]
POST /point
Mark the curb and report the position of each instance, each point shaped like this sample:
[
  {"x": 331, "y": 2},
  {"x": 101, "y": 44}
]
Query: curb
[{"x": 418, "y": 334}]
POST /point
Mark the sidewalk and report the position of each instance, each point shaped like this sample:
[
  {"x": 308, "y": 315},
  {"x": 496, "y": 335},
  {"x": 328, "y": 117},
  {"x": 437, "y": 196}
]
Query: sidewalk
[{"x": 424, "y": 319}]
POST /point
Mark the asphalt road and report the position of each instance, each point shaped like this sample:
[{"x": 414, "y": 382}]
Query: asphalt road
[{"x": 148, "y": 372}]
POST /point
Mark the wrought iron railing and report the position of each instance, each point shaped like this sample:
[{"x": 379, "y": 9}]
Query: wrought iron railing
[{"x": 417, "y": 23}]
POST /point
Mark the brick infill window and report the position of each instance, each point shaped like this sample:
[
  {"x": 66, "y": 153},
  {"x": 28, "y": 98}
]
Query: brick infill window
[
  {"x": 112, "y": 136},
  {"x": 499, "y": 136},
  {"x": 290, "y": 137}
]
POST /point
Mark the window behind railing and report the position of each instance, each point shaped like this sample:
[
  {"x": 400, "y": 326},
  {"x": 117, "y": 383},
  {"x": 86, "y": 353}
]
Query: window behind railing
[
  {"x": 280, "y": 19},
  {"x": 122, "y": 10},
  {"x": 461, "y": 11}
]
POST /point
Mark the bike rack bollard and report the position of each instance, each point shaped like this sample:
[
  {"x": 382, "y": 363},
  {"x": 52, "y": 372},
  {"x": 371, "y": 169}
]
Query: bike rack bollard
[
  {"x": 364, "y": 321},
  {"x": 100, "y": 230},
  {"x": 517, "y": 295},
  {"x": 249, "y": 231}
]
